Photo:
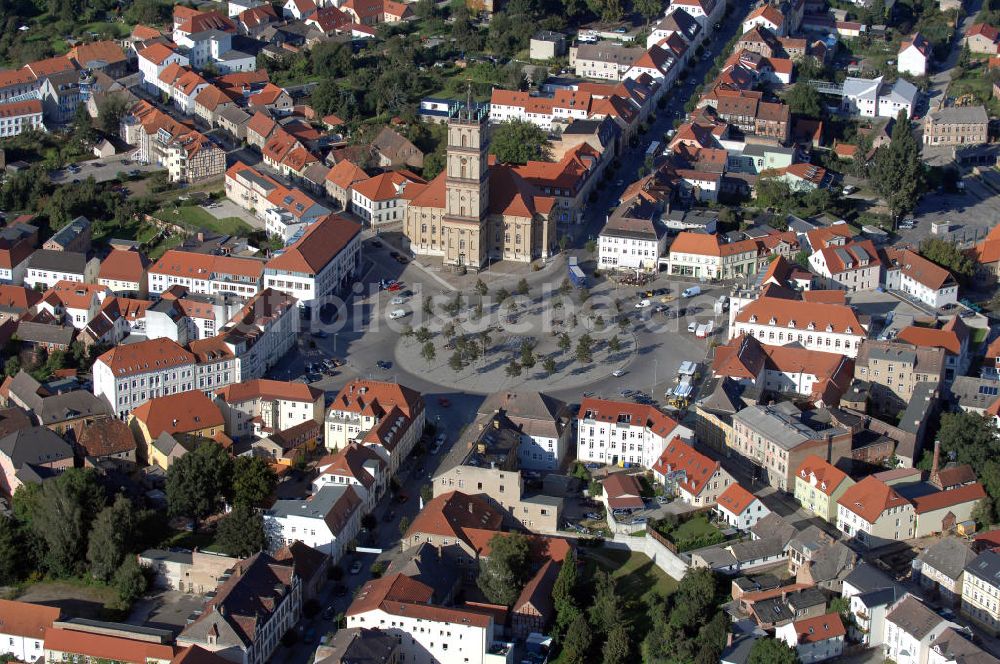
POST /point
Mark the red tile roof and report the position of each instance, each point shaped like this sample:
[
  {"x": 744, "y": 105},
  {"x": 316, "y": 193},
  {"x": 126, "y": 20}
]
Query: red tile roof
[
  {"x": 929, "y": 337},
  {"x": 145, "y": 356},
  {"x": 122, "y": 265},
  {"x": 623, "y": 491},
  {"x": 870, "y": 497},
  {"x": 206, "y": 266},
  {"x": 184, "y": 412},
  {"x": 934, "y": 501},
  {"x": 828, "y": 477},
  {"x": 156, "y": 53},
  {"x": 735, "y": 499},
  {"x": 268, "y": 390},
  {"x": 345, "y": 173},
  {"x": 799, "y": 315},
  {"x": 25, "y": 619},
  {"x": 106, "y": 437},
  {"x": 317, "y": 247},
  {"x": 820, "y": 628},
  {"x": 606, "y": 410},
  {"x": 450, "y": 514},
  {"x": 101, "y": 646},
  {"x": 698, "y": 469}
]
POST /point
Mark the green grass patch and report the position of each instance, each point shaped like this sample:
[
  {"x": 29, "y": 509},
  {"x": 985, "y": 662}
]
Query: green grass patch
[
  {"x": 203, "y": 540},
  {"x": 637, "y": 578},
  {"x": 689, "y": 532},
  {"x": 196, "y": 217}
]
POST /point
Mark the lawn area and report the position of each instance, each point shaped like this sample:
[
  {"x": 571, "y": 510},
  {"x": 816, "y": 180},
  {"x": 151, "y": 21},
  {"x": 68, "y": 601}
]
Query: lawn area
[
  {"x": 974, "y": 82},
  {"x": 696, "y": 527},
  {"x": 196, "y": 217},
  {"x": 75, "y": 597},
  {"x": 637, "y": 578},
  {"x": 203, "y": 540}
]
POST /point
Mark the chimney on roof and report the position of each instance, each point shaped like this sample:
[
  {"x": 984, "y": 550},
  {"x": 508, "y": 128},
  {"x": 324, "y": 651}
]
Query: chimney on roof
[
  {"x": 200, "y": 236},
  {"x": 937, "y": 459},
  {"x": 175, "y": 421}
]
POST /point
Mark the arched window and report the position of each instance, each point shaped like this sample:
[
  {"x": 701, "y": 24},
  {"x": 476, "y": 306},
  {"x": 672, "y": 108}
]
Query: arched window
[{"x": 465, "y": 140}]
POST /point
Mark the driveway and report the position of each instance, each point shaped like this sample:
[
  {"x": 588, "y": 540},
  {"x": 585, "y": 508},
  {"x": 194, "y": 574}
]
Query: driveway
[{"x": 226, "y": 208}]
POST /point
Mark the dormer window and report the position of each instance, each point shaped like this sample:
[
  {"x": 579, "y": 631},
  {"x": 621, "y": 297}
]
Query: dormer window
[
  {"x": 753, "y": 318},
  {"x": 811, "y": 326},
  {"x": 829, "y": 327},
  {"x": 773, "y": 321},
  {"x": 791, "y": 323}
]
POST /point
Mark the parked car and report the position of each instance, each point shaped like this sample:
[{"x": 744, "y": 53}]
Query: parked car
[
  {"x": 618, "y": 372},
  {"x": 376, "y": 244},
  {"x": 399, "y": 299},
  {"x": 382, "y": 364},
  {"x": 642, "y": 304}
]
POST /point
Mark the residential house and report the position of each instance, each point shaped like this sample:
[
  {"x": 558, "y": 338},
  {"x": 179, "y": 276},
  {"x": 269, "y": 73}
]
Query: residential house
[
  {"x": 261, "y": 407},
  {"x": 956, "y": 125},
  {"x": 706, "y": 256},
  {"x": 955, "y": 647},
  {"x": 814, "y": 639},
  {"x": 768, "y": 17},
  {"x": 124, "y": 272},
  {"x": 894, "y": 369},
  {"x": 74, "y": 236},
  {"x": 872, "y": 98},
  {"x": 261, "y": 333},
  {"x": 547, "y": 45},
  {"x": 66, "y": 413},
  {"x": 387, "y": 417},
  {"x": 402, "y": 607},
  {"x": 982, "y": 38},
  {"x": 30, "y": 456},
  {"x": 919, "y": 278},
  {"x": 359, "y": 467},
  {"x": 17, "y": 244},
  {"x": 942, "y": 511},
  {"x": 910, "y": 629},
  {"x": 324, "y": 260},
  {"x": 130, "y": 374},
  {"x": 72, "y": 302},
  {"x": 108, "y": 441},
  {"x": 852, "y": 266},
  {"x": 632, "y": 240},
  {"x": 874, "y": 513},
  {"x": 953, "y": 337},
  {"x": 326, "y": 521},
  {"x": 822, "y": 377},
  {"x": 21, "y": 116},
  {"x": 16, "y": 302},
  {"x": 454, "y": 521},
  {"x": 819, "y": 485},
  {"x": 392, "y": 150},
  {"x": 603, "y": 60},
  {"x": 832, "y": 328},
  {"x": 382, "y": 199},
  {"x": 250, "y": 611},
  {"x": 677, "y": 22},
  {"x": 940, "y": 568},
  {"x": 914, "y": 56},
  {"x": 22, "y": 629},
  {"x": 189, "y": 412},
  {"x": 693, "y": 477},
  {"x": 154, "y": 59},
  {"x": 981, "y": 591},
  {"x": 46, "y": 267},
  {"x": 206, "y": 273},
  {"x": 341, "y": 178},
  {"x": 739, "y": 508},
  {"x": 779, "y": 438},
  {"x": 643, "y": 432}
]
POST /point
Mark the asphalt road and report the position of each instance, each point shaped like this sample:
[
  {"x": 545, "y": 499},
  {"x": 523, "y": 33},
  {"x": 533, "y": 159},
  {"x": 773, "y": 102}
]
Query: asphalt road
[{"x": 102, "y": 170}]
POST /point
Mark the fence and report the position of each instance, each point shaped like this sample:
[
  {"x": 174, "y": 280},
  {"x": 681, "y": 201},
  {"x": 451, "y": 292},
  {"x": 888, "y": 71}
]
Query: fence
[{"x": 672, "y": 564}]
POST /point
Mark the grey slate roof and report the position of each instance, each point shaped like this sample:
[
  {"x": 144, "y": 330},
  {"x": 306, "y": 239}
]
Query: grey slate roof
[
  {"x": 866, "y": 578},
  {"x": 912, "y": 617},
  {"x": 949, "y": 557},
  {"x": 986, "y": 566},
  {"x": 34, "y": 446},
  {"x": 956, "y": 648},
  {"x": 58, "y": 261},
  {"x": 959, "y": 115},
  {"x": 360, "y": 646},
  {"x": 42, "y": 333}
]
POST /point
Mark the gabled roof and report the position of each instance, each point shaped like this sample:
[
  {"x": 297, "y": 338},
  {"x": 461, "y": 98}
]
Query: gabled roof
[
  {"x": 920, "y": 269},
  {"x": 122, "y": 265},
  {"x": 320, "y": 244},
  {"x": 969, "y": 493},
  {"x": 27, "y": 620},
  {"x": 820, "y": 628},
  {"x": 799, "y": 315},
  {"x": 870, "y": 497},
  {"x": 106, "y": 437},
  {"x": 105, "y": 647},
  {"x": 345, "y": 173},
  {"x": 268, "y": 390},
  {"x": 828, "y": 477},
  {"x": 932, "y": 337},
  {"x": 608, "y": 411},
  {"x": 144, "y": 356},
  {"x": 184, "y": 412},
  {"x": 735, "y": 499},
  {"x": 679, "y": 457},
  {"x": 450, "y": 514},
  {"x": 623, "y": 491}
]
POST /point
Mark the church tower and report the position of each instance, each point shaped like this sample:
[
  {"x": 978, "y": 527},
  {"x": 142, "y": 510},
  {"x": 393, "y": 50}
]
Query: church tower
[{"x": 467, "y": 194}]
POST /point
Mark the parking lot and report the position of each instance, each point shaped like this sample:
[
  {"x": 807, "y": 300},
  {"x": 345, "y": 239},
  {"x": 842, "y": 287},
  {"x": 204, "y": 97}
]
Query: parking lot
[{"x": 103, "y": 169}]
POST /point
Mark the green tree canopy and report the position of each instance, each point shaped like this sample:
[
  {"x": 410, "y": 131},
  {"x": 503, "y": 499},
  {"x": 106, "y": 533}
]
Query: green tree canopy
[
  {"x": 503, "y": 574},
  {"x": 769, "y": 650},
  {"x": 241, "y": 532},
  {"x": 254, "y": 480},
  {"x": 803, "y": 99},
  {"x": 576, "y": 645},
  {"x": 111, "y": 538},
  {"x": 949, "y": 256},
  {"x": 564, "y": 590},
  {"x": 198, "y": 481},
  {"x": 129, "y": 581},
  {"x": 518, "y": 142},
  {"x": 61, "y": 514},
  {"x": 896, "y": 171}
]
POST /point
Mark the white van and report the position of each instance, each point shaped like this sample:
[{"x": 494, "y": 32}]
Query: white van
[
  {"x": 691, "y": 292},
  {"x": 397, "y": 313}
]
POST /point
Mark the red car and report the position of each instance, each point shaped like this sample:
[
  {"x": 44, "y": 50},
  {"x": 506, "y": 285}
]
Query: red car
[
  {"x": 443, "y": 402},
  {"x": 395, "y": 286}
]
